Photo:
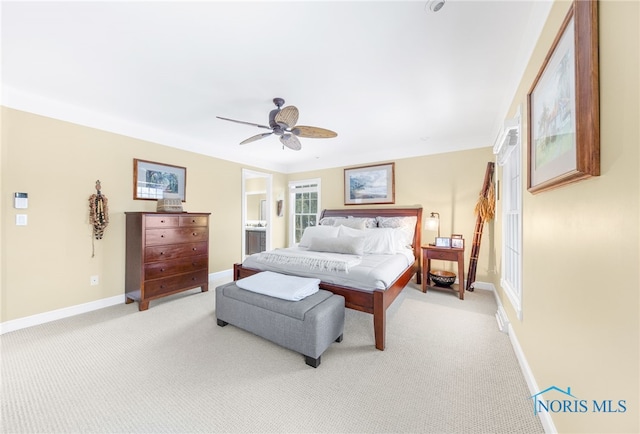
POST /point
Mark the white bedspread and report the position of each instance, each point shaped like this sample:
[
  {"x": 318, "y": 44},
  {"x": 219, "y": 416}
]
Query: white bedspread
[
  {"x": 309, "y": 260},
  {"x": 292, "y": 288},
  {"x": 373, "y": 271}
]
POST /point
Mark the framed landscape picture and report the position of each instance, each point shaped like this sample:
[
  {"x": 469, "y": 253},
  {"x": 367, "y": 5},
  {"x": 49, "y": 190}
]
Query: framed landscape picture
[
  {"x": 369, "y": 184},
  {"x": 151, "y": 180}
]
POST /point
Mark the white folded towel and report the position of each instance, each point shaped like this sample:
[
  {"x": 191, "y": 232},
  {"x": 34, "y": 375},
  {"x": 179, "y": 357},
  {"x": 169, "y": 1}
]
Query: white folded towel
[{"x": 278, "y": 285}]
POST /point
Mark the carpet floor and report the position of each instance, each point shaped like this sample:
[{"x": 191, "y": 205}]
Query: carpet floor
[{"x": 446, "y": 369}]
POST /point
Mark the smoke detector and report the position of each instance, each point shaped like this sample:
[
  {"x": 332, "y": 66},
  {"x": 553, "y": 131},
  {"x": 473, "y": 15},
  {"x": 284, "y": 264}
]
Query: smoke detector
[{"x": 434, "y": 5}]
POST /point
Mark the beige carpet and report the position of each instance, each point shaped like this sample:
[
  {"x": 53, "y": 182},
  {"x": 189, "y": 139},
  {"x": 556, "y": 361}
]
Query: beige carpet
[{"x": 171, "y": 369}]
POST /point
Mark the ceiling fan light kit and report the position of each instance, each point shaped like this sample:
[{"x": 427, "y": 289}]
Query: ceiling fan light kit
[{"x": 283, "y": 123}]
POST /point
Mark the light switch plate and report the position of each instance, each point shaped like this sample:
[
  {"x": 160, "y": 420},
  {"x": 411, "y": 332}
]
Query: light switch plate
[{"x": 21, "y": 219}]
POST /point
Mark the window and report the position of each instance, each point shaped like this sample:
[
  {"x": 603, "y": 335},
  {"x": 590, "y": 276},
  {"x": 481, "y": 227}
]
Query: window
[
  {"x": 509, "y": 156},
  {"x": 305, "y": 210},
  {"x": 511, "y": 280}
]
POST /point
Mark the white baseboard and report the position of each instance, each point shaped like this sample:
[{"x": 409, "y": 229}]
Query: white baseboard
[
  {"x": 65, "y": 312},
  {"x": 224, "y": 274},
  {"x": 42, "y": 318},
  {"x": 483, "y": 285},
  {"x": 545, "y": 418},
  {"x": 505, "y": 326}
]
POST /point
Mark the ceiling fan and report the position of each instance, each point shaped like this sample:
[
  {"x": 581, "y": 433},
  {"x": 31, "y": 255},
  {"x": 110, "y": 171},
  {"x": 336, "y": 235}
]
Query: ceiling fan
[{"x": 282, "y": 122}]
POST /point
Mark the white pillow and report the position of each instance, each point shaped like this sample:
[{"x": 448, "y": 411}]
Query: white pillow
[
  {"x": 330, "y": 221},
  {"x": 377, "y": 241},
  {"x": 406, "y": 225},
  {"x": 317, "y": 231},
  {"x": 351, "y": 223},
  {"x": 369, "y": 222},
  {"x": 345, "y": 244},
  {"x": 351, "y": 232},
  {"x": 381, "y": 241}
]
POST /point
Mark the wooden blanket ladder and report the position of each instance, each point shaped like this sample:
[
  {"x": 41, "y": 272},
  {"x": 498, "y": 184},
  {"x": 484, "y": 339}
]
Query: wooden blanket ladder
[{"x": 485, "y": 210}]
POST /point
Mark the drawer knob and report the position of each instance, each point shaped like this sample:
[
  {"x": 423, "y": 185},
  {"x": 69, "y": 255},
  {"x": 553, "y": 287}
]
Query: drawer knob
[
  {"x": 194, "y": 249},
  {"x": 162, "y": 269},
  {"x": 194, "y": 234},
  {"x": 161, "y": 221},
  {"x": 193, "y": 221},
  {"x": 162, "y": 236},
  {"x": 161, "y": 286},
  {"x": 193, "y": 278},
  {"x": 161, "y": 253}
]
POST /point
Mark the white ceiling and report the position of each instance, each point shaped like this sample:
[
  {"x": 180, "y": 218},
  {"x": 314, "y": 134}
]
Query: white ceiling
[{"x": 392, "y": 78}]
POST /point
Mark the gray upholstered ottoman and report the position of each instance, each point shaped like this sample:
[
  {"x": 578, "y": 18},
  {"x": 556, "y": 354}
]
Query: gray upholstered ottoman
[{"x": 307, "y": 326}]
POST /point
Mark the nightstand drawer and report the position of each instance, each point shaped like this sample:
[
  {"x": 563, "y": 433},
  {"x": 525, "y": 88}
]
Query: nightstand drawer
[{"x": 443, "y": 255}]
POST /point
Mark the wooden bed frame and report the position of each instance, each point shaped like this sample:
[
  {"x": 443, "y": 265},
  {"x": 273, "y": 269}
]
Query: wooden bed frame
[{"x": 375, "y": 302}]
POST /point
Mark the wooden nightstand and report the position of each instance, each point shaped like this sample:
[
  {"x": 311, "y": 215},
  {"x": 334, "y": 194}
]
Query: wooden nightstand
[{"x": 443, "y": 254}]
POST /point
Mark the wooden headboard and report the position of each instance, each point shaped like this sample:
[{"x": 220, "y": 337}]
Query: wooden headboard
[{"x": 408, "y": 211}]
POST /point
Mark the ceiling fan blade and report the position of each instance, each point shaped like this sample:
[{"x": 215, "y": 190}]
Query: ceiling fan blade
[
  {"x": 243, "y": 122},
  {"x": 291, "y": 142},
  {"x": 313, "y": 132},
  {"x": 254, "y": 138},
  {"x": 288, "y": 116}
]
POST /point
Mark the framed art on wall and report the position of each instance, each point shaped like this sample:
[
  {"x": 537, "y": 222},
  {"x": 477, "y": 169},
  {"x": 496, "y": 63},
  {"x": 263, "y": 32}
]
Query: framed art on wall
[
  {"x": 151, "y": 180},
  {"x": 369, "y": 184},
  {"x": 563, "y": 105}
]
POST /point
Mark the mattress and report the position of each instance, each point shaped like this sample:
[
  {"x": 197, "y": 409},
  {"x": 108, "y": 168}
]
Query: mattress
[{"x": 371, "y": 273}]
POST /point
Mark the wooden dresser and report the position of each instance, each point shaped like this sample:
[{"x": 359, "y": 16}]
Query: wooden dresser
[{"x": 166, "y": 253}]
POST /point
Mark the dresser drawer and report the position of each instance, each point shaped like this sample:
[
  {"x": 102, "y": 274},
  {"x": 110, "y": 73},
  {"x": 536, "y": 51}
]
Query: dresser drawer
[
  {"x": 157, "y": 270},
  {"x": 155, "y": 237},
  {"x": 159, "y": 287},
  {"x": 194, "y": 220},
  {"x": 162, "y": 221},
  {"x": 173, "y": 251}
]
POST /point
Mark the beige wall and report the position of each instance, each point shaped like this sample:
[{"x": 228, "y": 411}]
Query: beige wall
[
  {"x": 448, "y": 183},
  {"x": 581, "y": 246},
  {"x": 46, "y": 265}
]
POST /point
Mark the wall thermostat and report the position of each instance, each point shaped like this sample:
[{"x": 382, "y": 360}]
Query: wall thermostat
[{"x": 20, "y": 200}]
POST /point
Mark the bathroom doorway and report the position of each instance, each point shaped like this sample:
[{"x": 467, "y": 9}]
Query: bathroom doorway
[{"x": 256, "y": 211}]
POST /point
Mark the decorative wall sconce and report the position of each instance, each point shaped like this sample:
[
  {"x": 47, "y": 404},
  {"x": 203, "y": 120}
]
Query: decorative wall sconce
[
  {"x": 280, "y": 207},
  {"x": 432, "y": 223}
]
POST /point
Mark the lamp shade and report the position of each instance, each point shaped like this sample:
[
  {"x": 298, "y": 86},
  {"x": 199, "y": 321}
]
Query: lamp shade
[{"x": 432, "y": 223}]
